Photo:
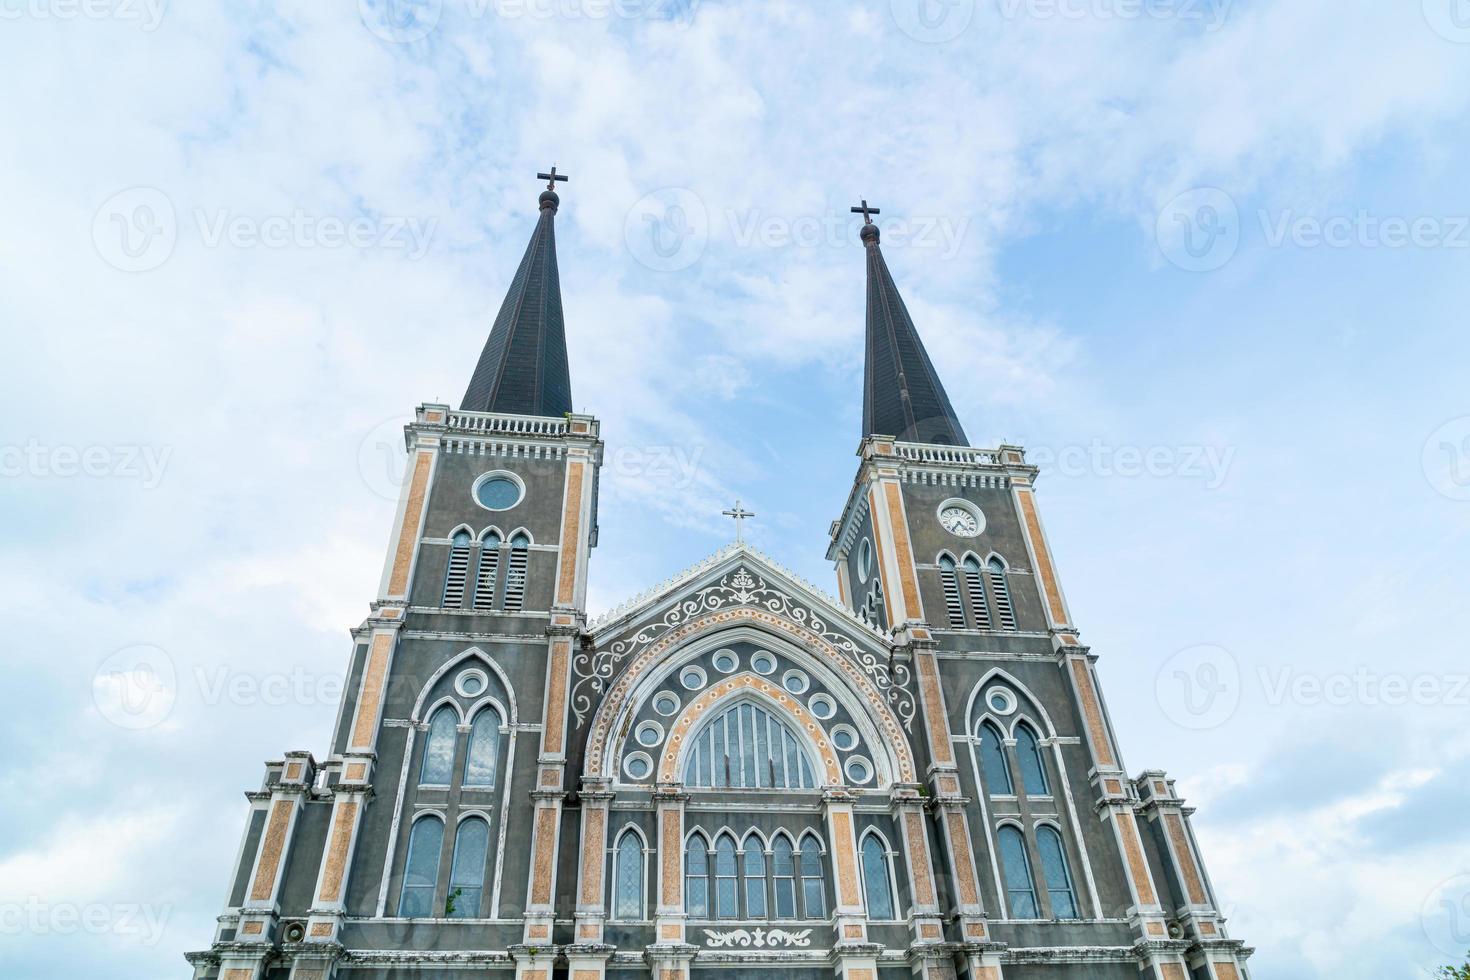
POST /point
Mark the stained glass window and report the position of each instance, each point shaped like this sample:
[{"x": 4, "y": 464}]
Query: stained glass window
[
  {"x": 628, "y": 877},
  {"x": 479, "y": 767},
  {"x": 875, "y": 879},
  {"x": 438, "y": 764},
  {"x": 1017, "y": 870},
  {"x": 1058, "y": 879},
  {"x": 467, "y": 873},
  {"x": 421, "y": 869}
]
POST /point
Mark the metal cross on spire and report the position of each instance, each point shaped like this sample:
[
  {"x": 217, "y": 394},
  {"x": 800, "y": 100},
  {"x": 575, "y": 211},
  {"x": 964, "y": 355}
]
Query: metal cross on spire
[
  {"x": 866, "y": 212},
  {"x": 552, "y": 178},
  {"x": 739, "y": 514}
]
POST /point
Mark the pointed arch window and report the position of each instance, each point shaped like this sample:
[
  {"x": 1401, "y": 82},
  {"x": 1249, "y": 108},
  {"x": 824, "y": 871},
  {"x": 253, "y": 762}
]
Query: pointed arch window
[
  {"x": 516, "y": 570},
  {"x": 467, "y": 873},
  {"x": 421, "y": 870},
  {"x": 628, "y": 877},
  {"x": 696, "y": 877},
  {"x": 746, "y": 746},
  {"x": 484, "y": 753},
  {"x": 783, "y": 878},
  {"x": 459, "y": 566},
  {"x": 754, "y": 859},
  {"x": 876, "y": 883},
  {"x": 1058, "y": 878},
  {"x": 953, "y": 605},
  {"x": 975, "y": 591},
  {"x": 727, "y": 881},
  {"x": 1002, "y": 591},
  {"x": 813, "y": 891},
  {"x": 1020, "y": 889},
  {"x": 993, "y": 761},
  {"x": 485, "y": 572},
  {"x": 438, "y": 765},
  {"x": 1028, "y": 754}
]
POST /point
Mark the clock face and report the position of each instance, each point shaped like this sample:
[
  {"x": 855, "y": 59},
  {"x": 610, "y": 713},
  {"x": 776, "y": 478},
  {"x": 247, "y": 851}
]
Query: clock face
[{"x": 959, "y": 521}]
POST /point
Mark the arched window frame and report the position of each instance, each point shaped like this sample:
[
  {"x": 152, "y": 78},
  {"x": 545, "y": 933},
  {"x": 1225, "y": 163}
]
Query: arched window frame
[
  {"x": 486, "y": 569},
  {"x": 755, "y": 880},
  {"x": 465, "y": 872},
  {"x": 696, "y": 878},
  {"x": 619, "y": 903},
  {"x": 995, "y": 767},
  {"x": 461, "y": 539},
  {"x": 436, "y": 737},
  {"x": 885, "y": 888},
  {"x": 783, "y": 883},
  {"x": 1056, "y": 876},
  {"x": 1000, "y": 588},
  {"x": 517, "y": 570},
  {"x": 811, "y": 869},
  {"x": 488, "y": 714},
  {"x": 1030, "y": 759},
  {"x": 726, "y": 876},
  {"x": 1015, "y": 862},
  {"x": 710, "y": 764},
  {"x": 949, "y": 580},
  {"x": 975, "y": 591},
  {"x": 415, "y": 897}
]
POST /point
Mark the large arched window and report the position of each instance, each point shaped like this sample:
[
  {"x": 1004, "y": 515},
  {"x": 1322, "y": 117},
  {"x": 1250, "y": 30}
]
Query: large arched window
[
  {"x": 438, "y": 767},
  {"x": 485, "y": 573},
  {"x": 1002, "y": 592},
  {"x": 783, "y": 877},
  {"x": 628, "y": 877},
  {"x": 975, "y": 589},
  {"x": 459, "y": 566},
  {"x": 1020, "y": 889},
  {"x": 953, "y": 605},
  {"x": 747, "y": 746},
  {"x": 515, "y": 572},
  {"x": 813, "y": 890},
  {"x": 993, "y": 761},
  {"x": 484, "y": 753},
  {"x": 467, "y": 873},
  {"x": 727, "y": 881},
  {"x": 755, "y": 878},
  {"x": 696, "y": 876},
  {"x": 1058, "y": 879},
  {"x": 876, "y": 883},
  {"x": 421, "y": 870},
  {"x": 1028, "y": 754}
]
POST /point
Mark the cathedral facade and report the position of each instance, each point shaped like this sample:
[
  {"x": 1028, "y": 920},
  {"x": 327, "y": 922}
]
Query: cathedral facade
[{"x": 736, "y": 770}]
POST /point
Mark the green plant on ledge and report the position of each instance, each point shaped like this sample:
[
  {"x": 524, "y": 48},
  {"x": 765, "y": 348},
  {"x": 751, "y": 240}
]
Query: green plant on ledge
[{"x": 449, "y": 903}]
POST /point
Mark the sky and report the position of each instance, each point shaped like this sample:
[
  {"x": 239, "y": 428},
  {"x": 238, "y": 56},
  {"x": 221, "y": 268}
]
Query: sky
[{"x": 1205, "y": 259}]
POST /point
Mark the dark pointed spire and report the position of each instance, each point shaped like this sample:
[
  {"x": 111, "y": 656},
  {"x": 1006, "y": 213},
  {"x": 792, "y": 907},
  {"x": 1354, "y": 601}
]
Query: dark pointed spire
[
  {"x": 523, "y": 368},
  {"x": 902, "y": 394}
]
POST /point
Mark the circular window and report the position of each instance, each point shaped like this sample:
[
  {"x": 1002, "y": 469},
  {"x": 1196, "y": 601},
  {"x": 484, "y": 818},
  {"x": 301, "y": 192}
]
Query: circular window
[
  {"x": 692, "y": 678},
  {"x": 795, "y": 681},
  {"x": 499, "y": 491},
  {"x": 1001, "y": 701},
  {"x": 822, "y": 706},
  {"x": 961, "y": 518},
  {"x": 471, "y": 683},
  {"x": 858, "y": 769},
  {"x": 844, "y": 738},
  {"x": 649, "y": 733},
  {"x": 638, "y": 765},
  {"x": 763, "y": 662},
  {"x": 726, "y": 661},
  {"x": 865, "y": 560},
  {"x": 666, "y": 704}
]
